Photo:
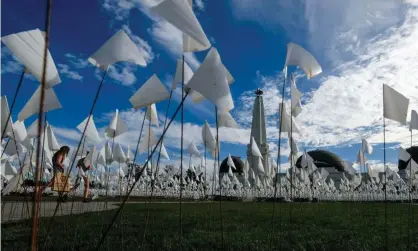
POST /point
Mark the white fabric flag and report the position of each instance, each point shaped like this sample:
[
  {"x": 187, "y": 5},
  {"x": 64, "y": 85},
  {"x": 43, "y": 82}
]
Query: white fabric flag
[
  {"x": 260, "y": 167},
  {"x": 292, "y": 144},
  {"x": 286, "y": 121},
  {"x": 192, "y": 149},
  {"x": 91, "y": 131},
  {"x": 101, "y": 157},
  {"x": 152, "y": 91},
  {"x": 298, "y": 56},
  {"x": 210, "y": 80},
  {"x": 152, "y": 114},
  {"x": 395, "y": 105},
  {"x": 20, "y": 131},
  {"x": 108, "y": 154},
  {"x": 197, "y": 97},
  {"x": 163, "y": 151},
  {"x": 33, "y": 129},
  {"x": 413, "y": 166},
  {"x": 116, "y": 126},
  {"x": 255, "y": 151},
  {"x": 28, "y": 143},
  {"x": 226, "y": 120},
  {"x": 4, "y": 115},
  {"x": 88, "y": 161},
  {"x": 129, "y": 155},
  {"x": 295, "y": 97},
  {"x": 118, "y": 154},
  {"x": 324, "y": 173},
  {"x": 230, "y": 173},
  {"x": 414, "y": 121},
  {"x": 361, "y": 159},
  {"x": 29, "y": 48},
  {"x": 52, "y": 140},
  {"x": 119, "y": 48},
  {"x": 180, "y": 14},
  {"x": 208, "y": 139},
  {"x": 366, "y": 147},
  {"x": 148, "y": 141},
  {"x": 188, "y": 74},
  {"x": 189, "y": 44},
  {"x": 403, "y": 154},
  {"x": 31, "y": 107},
  {"x": 306, "y": 160},
  {"x": 230, "y": 162}
]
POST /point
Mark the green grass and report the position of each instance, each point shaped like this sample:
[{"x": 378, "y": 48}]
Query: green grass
[{"x": 246, "y": 226}]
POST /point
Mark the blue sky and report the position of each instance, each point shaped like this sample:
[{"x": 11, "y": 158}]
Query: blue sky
[{"x": 359, "y": 45}]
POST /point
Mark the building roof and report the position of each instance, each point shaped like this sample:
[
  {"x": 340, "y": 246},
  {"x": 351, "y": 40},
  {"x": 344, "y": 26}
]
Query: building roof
[
  {"x": 238, "y": 162},
  {"x": 323, "y": 158}
]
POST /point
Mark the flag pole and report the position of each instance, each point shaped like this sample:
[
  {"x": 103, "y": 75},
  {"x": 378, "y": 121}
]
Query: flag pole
[
  {"x": 278, "y": 164},
  {"x": 384, "y": 167},
  {"x": 410, "y": 196},
  {"x": 181, "y": 156},
  {"x": 37, "y": 192}
]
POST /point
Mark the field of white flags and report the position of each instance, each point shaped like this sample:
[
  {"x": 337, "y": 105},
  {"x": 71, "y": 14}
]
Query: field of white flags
[{"x": 100, "y": 194}]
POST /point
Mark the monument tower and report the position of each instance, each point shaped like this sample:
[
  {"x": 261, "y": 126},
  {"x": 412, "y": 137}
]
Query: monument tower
[{"x": 258, "y": 131}]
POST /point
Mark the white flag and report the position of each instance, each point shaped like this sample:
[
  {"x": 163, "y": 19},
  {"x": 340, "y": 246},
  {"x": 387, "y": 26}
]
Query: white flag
[
  {"x": 295, "y": 97},
  {"x": 414, "y": 121},
  {"x": 298, "y": 56},
  {"x": 403, "y": 155},
  {"x": 366, "y": 147},
  {"x": 226, "y": 120},
  {"x": 180, "y": 15},
  {"x": 192, "y": 149},
  {"x": 119, "y": 48},
  {"x": 211, "y": 81},
  {"x": 287, "y": 121},
  {"x": 91, "y": 131},
  {"x": 152, "y": 91},
  {"x": 208, "y": 139},
  {"x": 28, "y": 47},
  {"x": 4, "y": 115},
  {"x": 395, "y": 105},
  {"x": 230, "y": 162},
  {"x": 255, "y": 151},
  {"x": 31, "y": 107}
]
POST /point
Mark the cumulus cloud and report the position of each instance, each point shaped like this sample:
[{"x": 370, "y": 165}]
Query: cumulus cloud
[
  {"x": 65, "y": 71},
  {"x": 348, "y": 103},
  {"x": 334, "y": 30},
  {"x": 9, "y": 64},
  {"x": 77, "y": 61}
]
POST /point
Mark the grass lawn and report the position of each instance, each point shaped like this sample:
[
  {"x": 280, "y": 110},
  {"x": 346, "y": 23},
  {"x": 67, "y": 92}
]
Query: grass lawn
[{"x": 246, "y": 226}]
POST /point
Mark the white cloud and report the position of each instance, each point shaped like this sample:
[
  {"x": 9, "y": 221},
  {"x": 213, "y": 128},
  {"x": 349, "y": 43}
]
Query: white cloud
[
  {"x": 332, "y": 29},
  {"x": 200, "y": 4},
  {"x": 77, "y": 62},
  {"x": 122, "y": 73},
  {"x": 67, "y": 134},
  {"x": 9, "y": 64},
  {"x": 348, "y": 104},
  {"x": 64, "y": 70}
]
